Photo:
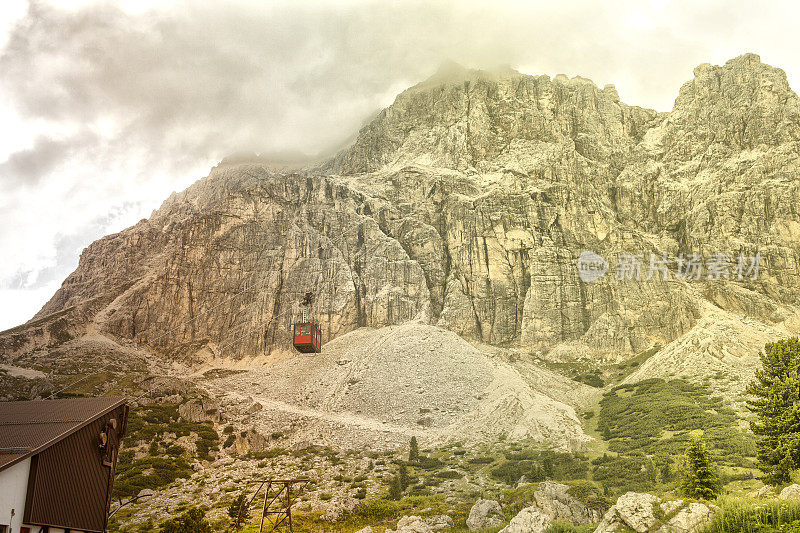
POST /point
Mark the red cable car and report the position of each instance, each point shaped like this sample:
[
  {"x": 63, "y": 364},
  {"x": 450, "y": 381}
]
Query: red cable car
[
  {"x": 307, "y": 338},
  {"x": 306, "y": 334}
]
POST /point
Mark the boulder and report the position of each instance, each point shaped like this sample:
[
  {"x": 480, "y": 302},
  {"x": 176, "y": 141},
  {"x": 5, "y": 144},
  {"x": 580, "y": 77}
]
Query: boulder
[
  {"x": 633, "y": 510},
  {"x": 485, "y": 514},
  {"x": 669, "y": 506},
  {"x": 637, "y": 512},
  {"x": 145, "y": 493},
  {"x": 767, "y": 491},
  {"x": 553, "y": 500},
  {"x": 693, "y": 518},
  {"x": 334, "y": 511},
  {"x": 529, "y": 520},
  {"x": 792, "y": 492},
  {"x": 200, "y": 410},
  {"x": 256, "y": 407},
  {"x": 367, "y": 529},
  {"x": 250, "y": 441},
  {"x": 440, "y": 522},
  {"x": 411, "y": 524}
]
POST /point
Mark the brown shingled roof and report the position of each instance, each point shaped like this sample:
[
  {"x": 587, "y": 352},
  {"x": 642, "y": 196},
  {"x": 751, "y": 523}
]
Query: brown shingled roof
[{"x": 27, "y": 428}]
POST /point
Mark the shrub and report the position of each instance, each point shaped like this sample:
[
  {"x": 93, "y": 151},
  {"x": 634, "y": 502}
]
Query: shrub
[
  {"x": 131, "y": 477},
  {"x": 590, "y": 494},
  {"x": 192, "y": 521},
  {"x": 655, "y": 417},
  {"x": 375, "y": 510},
  {"x": 429, "y": 463},
  {"x": 175, "y": 450},
  {"x": 509, "y": 472},
  {"x": 591, "y": 379},
  {"x": 238, "y": 509}
]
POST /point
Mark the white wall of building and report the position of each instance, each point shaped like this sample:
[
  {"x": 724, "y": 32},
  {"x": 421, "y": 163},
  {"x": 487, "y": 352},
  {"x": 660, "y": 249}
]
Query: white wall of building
[
  {"x": 13, "y": 488},
  {"x": 13, "y": 491}
]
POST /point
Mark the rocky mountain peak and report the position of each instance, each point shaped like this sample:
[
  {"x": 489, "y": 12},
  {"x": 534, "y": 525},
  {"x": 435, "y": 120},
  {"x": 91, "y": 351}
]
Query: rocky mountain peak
[
  {"x": 742, "y": 104},
  {"x": 475, "y": 120}
]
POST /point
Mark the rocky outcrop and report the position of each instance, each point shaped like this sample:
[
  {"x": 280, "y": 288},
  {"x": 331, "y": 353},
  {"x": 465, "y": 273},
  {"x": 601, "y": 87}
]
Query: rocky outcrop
[
  {"x": 555, "y": 502},
  {"x": 552, "y": 503},
  {"x": 250, "y": 441},
  {"x": 411, "y": 524},
  {"x": 485, "y": 514},
  {"x": 632, "y": 510},
  {"x": 529, "y": 520},
  {"x": 693, "y": 518},
  {"x": 440, "y": 522},
  {"x": 200, "y": 410},
  {"x": 645, "y": 513},
  {"x": 792, "y": 492}
]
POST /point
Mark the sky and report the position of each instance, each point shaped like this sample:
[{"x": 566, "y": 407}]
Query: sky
[{"x": 107, "y": 107}]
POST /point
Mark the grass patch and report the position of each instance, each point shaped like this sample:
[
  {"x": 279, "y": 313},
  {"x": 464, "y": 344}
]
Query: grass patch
[
  {"x": 755, "y": 516},
  {"x": 567, "y": 527}
]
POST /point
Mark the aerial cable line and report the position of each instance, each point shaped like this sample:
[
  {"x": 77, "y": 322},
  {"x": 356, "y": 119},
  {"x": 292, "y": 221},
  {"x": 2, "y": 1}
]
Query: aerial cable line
[
  {"x": 199, "y": 363},
  {"x": 262, "y": 284},
  {"x": 227, "y": 343}
]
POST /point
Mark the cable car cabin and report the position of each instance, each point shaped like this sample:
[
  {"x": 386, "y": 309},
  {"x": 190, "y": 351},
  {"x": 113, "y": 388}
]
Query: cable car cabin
[{"x": 307, "y": 338}]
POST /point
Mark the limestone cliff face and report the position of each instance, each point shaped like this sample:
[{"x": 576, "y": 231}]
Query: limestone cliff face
[{"x": 465, "y": 205}]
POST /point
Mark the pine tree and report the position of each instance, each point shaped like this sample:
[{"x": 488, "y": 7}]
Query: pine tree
[
  {"x": 777, "y": 405},
  {"x": 699, "y": 479},
  {"x": 395, "y": 489},
  {"x": 403, "y": 477},
  {"x": 413, "y": 451}
]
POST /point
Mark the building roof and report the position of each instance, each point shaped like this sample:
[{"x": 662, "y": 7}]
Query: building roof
[{"x": 27, "y": 428}]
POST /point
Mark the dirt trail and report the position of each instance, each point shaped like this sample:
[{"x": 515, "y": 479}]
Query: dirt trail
[{"x": 343, "y": 418}]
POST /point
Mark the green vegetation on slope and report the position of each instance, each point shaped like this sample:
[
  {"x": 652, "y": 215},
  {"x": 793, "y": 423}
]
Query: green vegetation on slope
[
  {"x": 659, "y": 417},
  {"x": 164, "y": 462}
]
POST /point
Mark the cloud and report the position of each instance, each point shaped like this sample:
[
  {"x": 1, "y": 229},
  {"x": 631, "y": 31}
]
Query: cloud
[{"x": 118, "y": 104}]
